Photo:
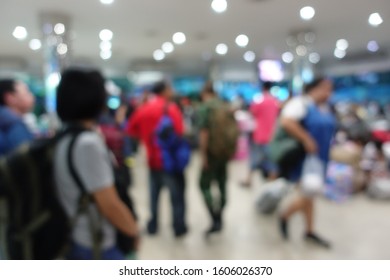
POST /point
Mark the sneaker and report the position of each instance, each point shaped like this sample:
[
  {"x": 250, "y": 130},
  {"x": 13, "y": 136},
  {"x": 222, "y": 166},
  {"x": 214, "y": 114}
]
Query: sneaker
[
  {"x": 315, "y": 239},
  {"x": 283, "y": 227},
  {"x": 180, "y": 233}
]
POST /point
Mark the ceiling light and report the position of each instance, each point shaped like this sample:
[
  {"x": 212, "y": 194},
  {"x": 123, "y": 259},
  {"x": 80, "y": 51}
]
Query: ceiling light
[
  {"x": 339, "y": 53},
  {"x": 106, "y": 54},
  {"x": 301, "y": 50},
  {"x": 107, "y": 2},
  {"x": 249, "y": 56},
  {"x": 375, "y": 19},
  {"x": 167, "y": 47},
  {"x": 242, "y": 40},
  {"x": 179, "y": 38},
  {"x": 105, "y": 45},
  {"x": 342, "y": 44},
  {"x": 314, "y": 58},
  {"x": 372, "y": 46},
  {"x": 35, "y": 44},
  {"x": 20, "y": 33},
  {"x": 307, "y": 13},
  {"x": 62, "y": 49},
  {"x": 158, "y": 55},
  {"x": 287, "y": 57},
  {"x": 106, "y": 35},
  {"x": 221, "y": 49},
  {"x": 59, "y": 28},
  {"x": 219, "y": 6}
]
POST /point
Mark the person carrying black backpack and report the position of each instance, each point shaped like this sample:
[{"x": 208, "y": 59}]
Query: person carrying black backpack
[{"x": 81, "y": 97}]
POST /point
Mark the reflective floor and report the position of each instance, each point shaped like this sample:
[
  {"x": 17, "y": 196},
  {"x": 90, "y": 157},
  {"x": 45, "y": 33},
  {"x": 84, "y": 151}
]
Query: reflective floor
[{"x": 358, "y": 228}]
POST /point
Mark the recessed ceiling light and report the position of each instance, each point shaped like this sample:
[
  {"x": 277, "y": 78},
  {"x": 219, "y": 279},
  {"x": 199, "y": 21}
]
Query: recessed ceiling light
[
  {"x": 242, "y": 40},
  {"x": 339, "y": 53},
  {"x": 105, "y": 45},
  {"x": 342, "y": 44},
  {"x": 219, "y": 6},
  {"x": 158, "y": 55},
  {"x": 106, "y": 35},
  {"x": 107, "y": 2},
  {"x": 221, "y": 49},
  {"x": 372, "y": 46},
  {"x": 62, "y": 49},
  {"x": 287, "y": 57},
  {"x": 35, "y": 44},
  {"x": 375, "y": 19},
  {"x": 59, "y": 28},
  {"x": 20, "y": 33},
  {"x": 314, "y": 58},
  {"x": 106, "y": 54},
  {"x": 179, "y": 38},
  {"x": 301, "y": 50},
  {"x": 249, "y": 56},
  {"x": 167, "y": 47},
  {"x": 307, "y": 13}
]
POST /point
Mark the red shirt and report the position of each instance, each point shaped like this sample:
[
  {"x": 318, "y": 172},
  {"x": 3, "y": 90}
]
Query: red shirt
[
  {"x": 265, "y": 113},
  {"x": 144, "y": 121}
]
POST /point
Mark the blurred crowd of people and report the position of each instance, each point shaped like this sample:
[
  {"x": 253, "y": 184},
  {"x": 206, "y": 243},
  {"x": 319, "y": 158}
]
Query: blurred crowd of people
[{"x": 337, "y": 150}]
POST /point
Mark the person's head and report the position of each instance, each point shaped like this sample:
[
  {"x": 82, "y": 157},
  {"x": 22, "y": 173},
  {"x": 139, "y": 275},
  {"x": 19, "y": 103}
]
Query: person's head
[
  {"x": 163, "y": 89},
  {"x": 208, "y": 91},
  {"x": 16, "y": 96},
  {"x": 267, "y": 86},
  {"x": 81, "y": 95},
  {"x": 320, "y": 89}
]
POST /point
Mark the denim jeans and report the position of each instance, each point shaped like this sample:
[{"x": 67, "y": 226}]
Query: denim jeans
[{"x": 176, "y": 185}]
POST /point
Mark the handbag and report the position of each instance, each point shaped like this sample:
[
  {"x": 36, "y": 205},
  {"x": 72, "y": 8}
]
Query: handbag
[{"x": 313, "y": 176}]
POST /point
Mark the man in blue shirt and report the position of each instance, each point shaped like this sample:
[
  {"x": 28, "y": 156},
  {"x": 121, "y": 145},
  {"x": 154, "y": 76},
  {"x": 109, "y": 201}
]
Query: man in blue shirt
[{"x": 15, "y": 101}]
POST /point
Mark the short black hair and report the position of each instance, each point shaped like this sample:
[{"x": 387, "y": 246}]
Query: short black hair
[
  {"x": 267, "y": 85},
  {"x": 6, "y": 86},
  {"x": 313, "y": 84},
  {"x": 209, "y": 88},
  {"x": 159, "y": 87},
  {"x": 81, "y": 95}
]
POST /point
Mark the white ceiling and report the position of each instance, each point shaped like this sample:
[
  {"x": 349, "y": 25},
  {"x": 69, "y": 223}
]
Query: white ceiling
[{"x": 141, "y": 26}]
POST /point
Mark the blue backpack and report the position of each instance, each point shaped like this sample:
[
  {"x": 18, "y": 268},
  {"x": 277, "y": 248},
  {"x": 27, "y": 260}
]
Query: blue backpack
[{"x": 175, "y": 150}]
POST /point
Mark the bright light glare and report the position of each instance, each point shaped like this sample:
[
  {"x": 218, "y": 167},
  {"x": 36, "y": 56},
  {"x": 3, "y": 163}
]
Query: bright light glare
[
  {"x": 287, "y": 57},
  {"x": 106, "y": 35},
  {"x": 307, "y": 13},
  {"x": 342, "y": 44},
  {"x": 221, "y": 49},
  {"x": 339, "y": 53},
  {"x": 219, "y": 6},
  {"x": 59, "y": 28},
  {"x": 107, "y": 2},
  {"x": 179, "y": 38},
  {"x": 106, "y": 54},
  {"x": 314, "y": 58},
  {"x": 35, "y": 44},
  {"x": 158, "y": 55},
  {"x": 167, "y": 47},
  {"x": 105, "y": 45},
  {"x": 372, "y": 46},
  {"x": 249, "y": 56},
  {"x": 375, "y": 19},
  {"x": 301, "y": 50},
  {"x": 20, "y": 33},
  {"x": 242, "y": 40},
  {"x": 62, "y": 49}
]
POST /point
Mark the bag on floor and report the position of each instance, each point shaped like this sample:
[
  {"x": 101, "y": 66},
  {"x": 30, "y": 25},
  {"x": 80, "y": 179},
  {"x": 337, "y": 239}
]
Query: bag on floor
[
  {"x": 268, "y": 200},
  {"x": 313, "y": 176}
]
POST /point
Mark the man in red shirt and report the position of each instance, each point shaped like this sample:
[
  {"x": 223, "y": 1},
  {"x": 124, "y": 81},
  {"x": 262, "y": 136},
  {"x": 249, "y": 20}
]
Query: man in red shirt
[
  {"x": 265, "y": 113},
  {"x": 142, "y": 125}
]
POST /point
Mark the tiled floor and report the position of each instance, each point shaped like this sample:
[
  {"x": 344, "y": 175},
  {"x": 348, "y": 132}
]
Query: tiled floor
[{"x": 358, "y": 228}]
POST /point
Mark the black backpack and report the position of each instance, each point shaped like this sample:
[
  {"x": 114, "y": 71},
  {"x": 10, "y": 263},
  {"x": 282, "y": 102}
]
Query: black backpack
[{"x": 38, "y": 226}]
